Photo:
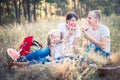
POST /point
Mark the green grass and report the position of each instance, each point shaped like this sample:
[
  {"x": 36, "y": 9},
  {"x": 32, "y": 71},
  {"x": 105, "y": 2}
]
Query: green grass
[{"x": 12, "y": 34}]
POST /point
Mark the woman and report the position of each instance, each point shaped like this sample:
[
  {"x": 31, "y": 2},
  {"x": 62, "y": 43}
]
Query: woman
[{"x": 70, "y": 31}]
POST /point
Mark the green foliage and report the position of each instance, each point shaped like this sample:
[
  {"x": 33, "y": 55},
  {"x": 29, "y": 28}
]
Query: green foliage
[
  {"x": 63, "y": 6},
  {"x": 7, "y": 8},
  {"x": 107, "y": 7},
  {"x": 50, "y": 1}
]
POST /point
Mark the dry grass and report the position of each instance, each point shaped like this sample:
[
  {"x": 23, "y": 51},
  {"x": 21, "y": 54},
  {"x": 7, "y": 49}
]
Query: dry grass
[
  {"x": 115, "y": 58},
  {"x": 12, "y": 34}
]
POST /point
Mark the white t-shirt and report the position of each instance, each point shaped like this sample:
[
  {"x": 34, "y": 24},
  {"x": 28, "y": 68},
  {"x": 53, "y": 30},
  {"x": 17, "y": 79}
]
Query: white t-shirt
[
  {"x": 62, "y": 27},
  {"x": 58, "y": 50},
  {"x": 102, "y": 31}
]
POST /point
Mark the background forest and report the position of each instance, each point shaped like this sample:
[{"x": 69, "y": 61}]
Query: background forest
[
  {"x": 20, "y": 18},
  {"x": 31, "y": 10}
]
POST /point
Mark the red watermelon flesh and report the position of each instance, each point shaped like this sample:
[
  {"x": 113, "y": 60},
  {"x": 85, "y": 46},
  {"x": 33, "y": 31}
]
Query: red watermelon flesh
[
  {"x": 85, "y": 27},
  {"x": 72, "y": 25},
  {"x": 56, "y": 40}
]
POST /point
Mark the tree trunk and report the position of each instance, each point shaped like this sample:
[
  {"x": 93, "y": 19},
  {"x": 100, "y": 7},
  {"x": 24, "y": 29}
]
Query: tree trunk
[
  {"x": 24, "y": 9},
  {"x": 50, "y": 12},
  {"x": 79, "y": 10},
  {"x": 0, "y": 13},
  {"x": 86, "y": 9},
  {"x": 8, "y": 9},
  {"x": 29, "y": 12},
  {"x": 46, "y": 10},
  {"x": 40, "y": 11},
  {"x": 17, "y": 11},
  {"x": 74, "y": 5},
  {"x": 34, "y": 11}
]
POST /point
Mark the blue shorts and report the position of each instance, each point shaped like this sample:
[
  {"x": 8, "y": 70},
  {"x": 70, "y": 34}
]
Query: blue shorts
[{"x": 96, "y": 49}]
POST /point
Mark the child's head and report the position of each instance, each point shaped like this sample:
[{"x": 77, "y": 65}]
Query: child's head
[{"x": 54, "y": 36}]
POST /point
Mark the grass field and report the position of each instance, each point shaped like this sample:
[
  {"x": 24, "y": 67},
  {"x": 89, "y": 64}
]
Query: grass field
[{"x": 11, "y": 36}]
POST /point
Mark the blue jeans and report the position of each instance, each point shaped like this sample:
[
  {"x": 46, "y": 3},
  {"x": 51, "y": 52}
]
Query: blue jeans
[
  {"x": 59, "y": 58},
  {"x": 96, "y": 49},
  {"x": 39, "y": 54}
]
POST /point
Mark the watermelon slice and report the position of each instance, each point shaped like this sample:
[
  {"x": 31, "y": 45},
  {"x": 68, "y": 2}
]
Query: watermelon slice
[
  {"x": 56, "y": 40},
  {"x": 13, "y": 54},
  {"x": 85, "y": 27},
  {"x": 72, "y": 25}
]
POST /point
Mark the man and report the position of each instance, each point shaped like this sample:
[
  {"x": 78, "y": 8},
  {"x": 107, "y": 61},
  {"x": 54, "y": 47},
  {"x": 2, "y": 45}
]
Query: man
[{"x": 97, "y": 34}]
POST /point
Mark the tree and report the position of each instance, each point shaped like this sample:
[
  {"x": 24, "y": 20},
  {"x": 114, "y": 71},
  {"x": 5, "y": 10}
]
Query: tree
[
  {"x": 34, "y": 2},
  {"x": 34, "y": 9},
  {"x": 24, "y": 8},
  {"x": 74, "y": 4},
  {"x": 11, "y": 9},
  {"x": 17, "y": 11},
  {"x": 63, "y": 6},
  {"x": 50, "y": 2},
  {"x": 29, "y": 12},
  {"x": 8, "y": 9},
  {"x": 0, "y": 13},
  {"x": 107, "y": 7}
]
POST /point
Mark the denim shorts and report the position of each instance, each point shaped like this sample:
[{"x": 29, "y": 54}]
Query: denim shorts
[{"x": 96, "y": 49}]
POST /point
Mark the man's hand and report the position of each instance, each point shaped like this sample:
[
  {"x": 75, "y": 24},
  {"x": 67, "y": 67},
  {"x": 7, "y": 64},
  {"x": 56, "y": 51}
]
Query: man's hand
[{"x": 84, "y": 27}]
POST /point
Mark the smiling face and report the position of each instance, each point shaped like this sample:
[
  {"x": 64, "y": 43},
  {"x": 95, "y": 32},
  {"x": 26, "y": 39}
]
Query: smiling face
[
  {"x": 71, "y": 20},
  {"x": 55, "y": 37},
  {"x": 92, "y": 19},
  {"x": 72, "y": 23}
]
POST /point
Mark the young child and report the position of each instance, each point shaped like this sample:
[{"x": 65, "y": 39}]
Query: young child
[
  {"x": 53, "y": 49},
  {"x": 54, "y": 41},
  {"x": 70, "y": 31}
]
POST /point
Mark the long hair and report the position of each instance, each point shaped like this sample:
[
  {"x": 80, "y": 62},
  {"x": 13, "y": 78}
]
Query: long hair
[{"x": 50, "y": 34}]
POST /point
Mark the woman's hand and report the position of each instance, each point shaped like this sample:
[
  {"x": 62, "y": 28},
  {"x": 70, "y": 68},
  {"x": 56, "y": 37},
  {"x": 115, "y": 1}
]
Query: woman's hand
[{"x": 72, "y": 28}]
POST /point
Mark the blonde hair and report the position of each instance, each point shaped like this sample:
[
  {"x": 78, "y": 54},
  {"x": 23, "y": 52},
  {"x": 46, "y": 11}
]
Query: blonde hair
[{"x": 53, "y": 31}]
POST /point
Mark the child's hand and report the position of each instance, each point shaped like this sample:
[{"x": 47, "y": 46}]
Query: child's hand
[{"x": 53, "y": 43}]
